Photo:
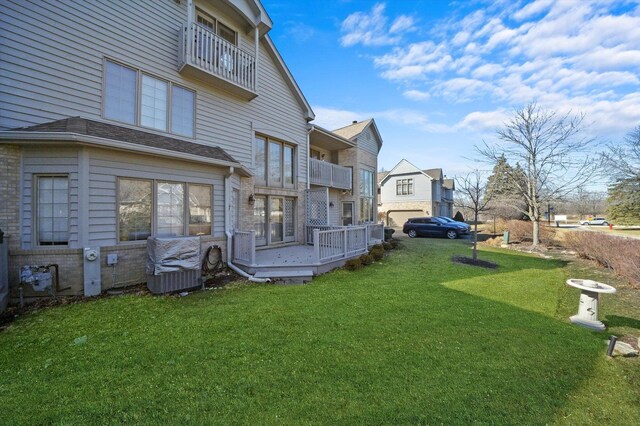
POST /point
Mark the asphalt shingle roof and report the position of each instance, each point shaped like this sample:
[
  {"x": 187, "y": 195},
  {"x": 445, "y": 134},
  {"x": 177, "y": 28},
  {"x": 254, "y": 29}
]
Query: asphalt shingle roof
[
  {"x": 99, "y": 129},
  {"x": 352, "y": 130}
]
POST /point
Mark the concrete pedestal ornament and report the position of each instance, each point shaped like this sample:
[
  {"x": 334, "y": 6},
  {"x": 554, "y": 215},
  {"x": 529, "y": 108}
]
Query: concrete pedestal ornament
[{"x": 588, "y": 307}]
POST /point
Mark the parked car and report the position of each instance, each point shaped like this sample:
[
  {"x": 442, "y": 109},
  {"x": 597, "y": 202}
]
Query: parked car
[
  {"x": 430, "y": 227},
  {"x": 595, "y": 221},
  {"x": 464, "y": 226}
]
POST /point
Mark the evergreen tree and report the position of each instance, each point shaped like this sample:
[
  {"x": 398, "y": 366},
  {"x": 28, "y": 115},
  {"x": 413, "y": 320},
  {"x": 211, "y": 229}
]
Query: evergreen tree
[
  {"x": 622, "y": 162},
  {"x": 507, "y": 202}
]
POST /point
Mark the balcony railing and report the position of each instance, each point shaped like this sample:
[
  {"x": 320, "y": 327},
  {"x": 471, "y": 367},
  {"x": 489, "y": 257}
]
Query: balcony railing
[
  {"x": 206, "y": 55},
  {"x": 329, "y": 174}
]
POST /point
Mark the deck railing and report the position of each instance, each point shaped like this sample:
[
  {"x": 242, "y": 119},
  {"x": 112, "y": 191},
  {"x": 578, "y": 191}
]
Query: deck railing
[
  {"x": 202, "y": 48},
  {"x": 244, "y": 247},
  {"x": 310, "y": 228},
  {"x": 329, "y": 174},
  {"x": 336, "y": 244}
]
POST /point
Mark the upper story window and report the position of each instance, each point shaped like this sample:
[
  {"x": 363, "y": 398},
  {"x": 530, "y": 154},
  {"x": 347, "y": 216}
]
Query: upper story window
[
  {"x": 215, "y": 26},
  {"x": 274, "y": 162},
  {"x": 141, "y": 99},
  {"x": 366, "y": 196},
  {"x": 404, "y": 187}
]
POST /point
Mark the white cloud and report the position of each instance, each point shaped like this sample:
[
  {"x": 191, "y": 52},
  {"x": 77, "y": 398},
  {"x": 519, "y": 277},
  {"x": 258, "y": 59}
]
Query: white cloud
[
  {"x": 416, "y": 95},
  {"x": 402, "y": 23},
  {"x": 371, "y": 29},
  {"x": 484, "y": 120},
  {"x": 487, "y": 71}
]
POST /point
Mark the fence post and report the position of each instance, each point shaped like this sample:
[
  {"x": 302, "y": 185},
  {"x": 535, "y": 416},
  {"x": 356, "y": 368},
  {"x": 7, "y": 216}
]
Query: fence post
[
  {"x": 252, "y": 245},
  {"x": 366, "y": 236},
  {"x": 345, "y": 239},
  {"x": 316, "y": 244}
]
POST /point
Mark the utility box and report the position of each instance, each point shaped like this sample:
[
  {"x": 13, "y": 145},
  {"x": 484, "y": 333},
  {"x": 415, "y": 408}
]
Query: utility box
[
  {"x": 505, "y": 237},
  {"x": 173, "y": 264}
]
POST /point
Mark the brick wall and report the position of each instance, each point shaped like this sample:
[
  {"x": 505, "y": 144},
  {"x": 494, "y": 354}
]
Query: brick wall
[
  {"x": 130, "y": 269},
  {"x": 10, "y": 157}
]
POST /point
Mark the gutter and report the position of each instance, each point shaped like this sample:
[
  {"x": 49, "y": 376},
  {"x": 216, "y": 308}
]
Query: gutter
[{"x": 227, "y": 203}]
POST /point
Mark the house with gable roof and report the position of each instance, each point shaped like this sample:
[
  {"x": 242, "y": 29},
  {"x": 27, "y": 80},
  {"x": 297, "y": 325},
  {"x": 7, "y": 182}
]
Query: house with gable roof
[
  {"x": 407, "y": 191},
  {"x": 189, "y": 125}
]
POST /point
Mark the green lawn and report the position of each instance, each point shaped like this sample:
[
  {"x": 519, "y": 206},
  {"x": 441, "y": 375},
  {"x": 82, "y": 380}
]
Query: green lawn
[{"x": 413, "y": 340}]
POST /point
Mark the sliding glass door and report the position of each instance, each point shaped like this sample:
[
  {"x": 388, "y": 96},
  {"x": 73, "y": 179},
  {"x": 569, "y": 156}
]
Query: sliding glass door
[{"x": 274, "y": 219}]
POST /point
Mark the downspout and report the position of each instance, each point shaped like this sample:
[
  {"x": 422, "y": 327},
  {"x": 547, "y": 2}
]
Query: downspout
[
  {"x": 311, "y": 127},
  {"x": 227, "y": 231}
]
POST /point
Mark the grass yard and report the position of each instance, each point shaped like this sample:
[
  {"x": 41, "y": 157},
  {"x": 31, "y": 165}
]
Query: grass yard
[{"x": 413, "y": 340}]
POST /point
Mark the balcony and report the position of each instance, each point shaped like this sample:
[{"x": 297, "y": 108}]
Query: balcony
[
  {"x": 329, "y": 174},
  {"x": 206, "y": 56}
]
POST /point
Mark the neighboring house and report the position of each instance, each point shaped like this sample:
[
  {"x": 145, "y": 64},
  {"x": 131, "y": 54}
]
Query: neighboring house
[
  {"x": 407, "y": 191},
  {"x": 120, "y": 121}
]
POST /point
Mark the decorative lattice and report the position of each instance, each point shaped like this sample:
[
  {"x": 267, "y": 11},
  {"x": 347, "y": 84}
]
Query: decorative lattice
[
  {"x": 289, "y": 224},
  {"x": 317, "y": 205}
]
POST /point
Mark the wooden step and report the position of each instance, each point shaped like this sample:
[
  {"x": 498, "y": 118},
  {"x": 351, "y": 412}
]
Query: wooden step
[{"x": 294, "y": 276}]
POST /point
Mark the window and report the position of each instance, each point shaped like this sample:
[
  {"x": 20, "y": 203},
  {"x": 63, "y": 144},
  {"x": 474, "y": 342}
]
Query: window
[
  {"x": 200, "y": 209},
  {"x": 274, "y": 166},
  {"x": 162, "y": 105},
  {"x": 182, "y": 111},
  {"x": 366, "y": 196},
  {"x": 120, "y": 93},
  {"x": 134, "y": 209},
  {"x": 52, "y": 207},
  {"x": 215, "y": 26},
  {"x": 170, "y": 215},
  {"x": 274, "y": 219},
  {"x": 153, "y": 101},
  {"x": 171, "y": 208},
  {"x": 404, "y": 186}
]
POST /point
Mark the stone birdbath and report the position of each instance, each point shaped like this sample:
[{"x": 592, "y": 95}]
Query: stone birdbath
[{"x": 588, "y": 307}]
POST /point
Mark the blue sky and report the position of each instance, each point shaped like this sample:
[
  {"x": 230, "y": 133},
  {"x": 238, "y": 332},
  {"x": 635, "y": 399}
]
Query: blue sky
[{"x": 441, "y": 76}]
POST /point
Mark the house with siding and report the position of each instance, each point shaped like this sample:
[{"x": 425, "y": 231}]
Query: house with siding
[
  {"x": 191, "y": 124},
  {"x": 407, "y": 191}
]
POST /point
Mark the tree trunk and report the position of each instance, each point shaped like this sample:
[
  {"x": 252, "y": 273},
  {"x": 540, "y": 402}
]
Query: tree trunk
[
  {"x": 475, "y": 238},
  {"x": 536, "y": 232}
]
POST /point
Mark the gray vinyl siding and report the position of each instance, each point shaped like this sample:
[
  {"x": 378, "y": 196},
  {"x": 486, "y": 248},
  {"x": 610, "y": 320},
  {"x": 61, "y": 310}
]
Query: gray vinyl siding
[
  {"x": 367, "y": 141},
  {"x": 421, "y": 189},
  {"x": 63, "y": 161},
  {"x": 53, "y": 55},
  {"x": 107, "y": 166},
  {"x": 334, "y": 212}
]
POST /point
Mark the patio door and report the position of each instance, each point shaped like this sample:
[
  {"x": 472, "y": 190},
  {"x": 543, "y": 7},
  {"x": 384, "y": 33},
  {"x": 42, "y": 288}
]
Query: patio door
[
  {"x": 260, "y": 220},
  {"x": 289, "y": 220},
  {"x": 347, "y": 213},
  {"x": 274, "y": 219}
]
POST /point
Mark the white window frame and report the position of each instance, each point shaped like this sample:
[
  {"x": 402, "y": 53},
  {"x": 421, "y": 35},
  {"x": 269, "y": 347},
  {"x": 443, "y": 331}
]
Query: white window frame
[
  {"x": 154, "y": 206},
  {"x": 138, "y": 100},
  {"x": 36, "y": 207},
  {"x": 404, "y": 186},
  {"x": 294, "y": 162}
]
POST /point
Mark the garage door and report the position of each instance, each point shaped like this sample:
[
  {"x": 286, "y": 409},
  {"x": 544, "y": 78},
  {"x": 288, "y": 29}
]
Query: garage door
[{"x": 398, "y": 218}]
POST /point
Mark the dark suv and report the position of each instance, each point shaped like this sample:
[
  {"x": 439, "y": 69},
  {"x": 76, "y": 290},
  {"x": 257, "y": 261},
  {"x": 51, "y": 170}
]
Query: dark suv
[{"x": 430, "y": 227}]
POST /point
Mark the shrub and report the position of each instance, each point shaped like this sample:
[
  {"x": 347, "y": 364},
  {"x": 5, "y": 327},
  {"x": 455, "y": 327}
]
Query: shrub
[
  {"x": 377, "y": 253},
  {"x": 387, "y": 246},
  {"x": 366, "y": 259},
  {"x": 377, "y": 247},
  {"x": 458, "y": 217},
  {"x": 353, "y": 264},
  {"x": 617, "y": 253},
  {"x": 394, "y": 243}
]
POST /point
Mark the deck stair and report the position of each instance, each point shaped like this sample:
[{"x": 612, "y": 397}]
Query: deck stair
[{"x": 286, "y": 275}]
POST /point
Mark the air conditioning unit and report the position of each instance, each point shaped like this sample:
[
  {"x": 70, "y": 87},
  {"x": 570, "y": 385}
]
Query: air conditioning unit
[{"x": 173, "y": 264}]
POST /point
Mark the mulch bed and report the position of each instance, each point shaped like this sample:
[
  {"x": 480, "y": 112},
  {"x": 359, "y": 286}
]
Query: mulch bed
[{"x": 469, "y": 261}]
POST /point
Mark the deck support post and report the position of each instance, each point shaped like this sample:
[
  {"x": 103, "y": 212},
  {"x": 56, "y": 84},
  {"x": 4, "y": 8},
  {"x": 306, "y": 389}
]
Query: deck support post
[{"x": 316, "y": 245}]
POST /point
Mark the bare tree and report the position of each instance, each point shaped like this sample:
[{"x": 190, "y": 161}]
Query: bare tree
[
  {"x": 551, "y": 150},
  {"x": 472, "y": 196}
]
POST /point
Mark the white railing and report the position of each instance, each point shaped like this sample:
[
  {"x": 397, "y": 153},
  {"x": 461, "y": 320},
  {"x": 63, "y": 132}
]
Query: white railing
[
  {"x": 375, "y": 233},
  {"x": 329, "y": 174},
  {"x": 244, "y": 247},
  {"x": 342, "y": 243},
  {"x": 201, "y": 48},
  {"x": 310, "y": 228}
]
